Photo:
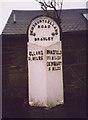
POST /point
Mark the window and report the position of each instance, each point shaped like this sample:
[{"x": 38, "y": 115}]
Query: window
[{"x": 86, "y": 15}]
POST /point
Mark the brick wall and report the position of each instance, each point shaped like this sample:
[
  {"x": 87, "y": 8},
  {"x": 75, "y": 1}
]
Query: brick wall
[{"x": 74, "y": 58}]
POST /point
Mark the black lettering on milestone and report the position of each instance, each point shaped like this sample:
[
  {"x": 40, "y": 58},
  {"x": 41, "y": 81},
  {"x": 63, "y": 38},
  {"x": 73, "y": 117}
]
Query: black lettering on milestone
[
  {"x": 30, "y": 53},
  {"x": 48, "y": 51},
  {"x": 52, "y": 57},
  {"x": 33, "y": 25},
  {"x": 48, "y": 26},
  {"x": 41, "y": 26},
  {"x": 38, "y": 26},
  {"x": 41, "y": 52},
  {"x": 39, "y": 21},
  {"x": 48, "y": 21},
  {"x": 55, "y": 27},
  {"x": 41, "y": 57},
  {"x": 45, "y": 26},
  {"x": 31, "y": 32},
  {"x": 35, "y": 39},
  {"x": 49, "y": 69},
  {"x": 45, "y": 21},
  {"x": 32, "y": 28},
  {"x": 48, "y": 38},
  {"x": 51, "y": 38},
  {"x": 52, "y": 68},
  {"x": 29, "y": 58}
]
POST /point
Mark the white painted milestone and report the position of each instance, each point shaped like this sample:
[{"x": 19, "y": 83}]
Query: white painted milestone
[{"x": 44, "y": 55}]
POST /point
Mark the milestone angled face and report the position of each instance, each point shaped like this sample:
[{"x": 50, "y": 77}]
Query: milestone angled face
[
  {"x": 43, "y": 31},
  {"x": 44, "y": 63}
]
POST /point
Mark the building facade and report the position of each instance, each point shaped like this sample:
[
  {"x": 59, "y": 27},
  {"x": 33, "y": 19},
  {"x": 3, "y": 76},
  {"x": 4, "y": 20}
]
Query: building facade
[{"x": 14, "y": 63}]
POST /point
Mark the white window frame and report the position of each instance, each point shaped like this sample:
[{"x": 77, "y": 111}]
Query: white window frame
[{"x": 86, "y": 15}]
